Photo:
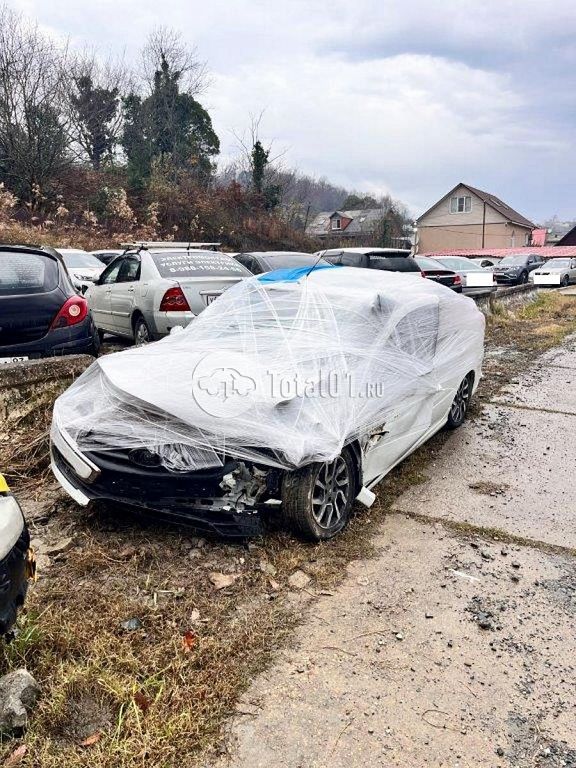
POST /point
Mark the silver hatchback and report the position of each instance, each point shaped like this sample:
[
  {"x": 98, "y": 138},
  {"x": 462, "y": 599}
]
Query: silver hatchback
[{"x": 152, "y": 288}]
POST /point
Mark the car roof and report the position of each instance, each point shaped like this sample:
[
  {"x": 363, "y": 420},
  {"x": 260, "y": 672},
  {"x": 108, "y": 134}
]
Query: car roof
[
  {"x": 38, "y": 249},
  {"x": 267, "y": 254},
  {"x": 383, "y": 251}
]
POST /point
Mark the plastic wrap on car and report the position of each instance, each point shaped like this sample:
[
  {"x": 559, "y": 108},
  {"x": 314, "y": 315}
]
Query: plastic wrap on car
[{"x": 310, "y": 360}]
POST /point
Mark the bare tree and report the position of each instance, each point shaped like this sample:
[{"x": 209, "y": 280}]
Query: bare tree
[
  {"x": 165, "y": 44},
  {"x": 33, "y": 128}
]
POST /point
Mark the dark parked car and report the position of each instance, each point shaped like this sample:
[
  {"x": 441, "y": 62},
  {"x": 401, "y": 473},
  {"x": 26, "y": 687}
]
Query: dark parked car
[
  {"x": 16, "y": 558},
  {"x": 433, "y": 270},
  {"x": 40, "y": 312},
  {"x": 388, "y": 259},
  {"x": 267, "y": 261},
  {"x": 514, "y": 269}
]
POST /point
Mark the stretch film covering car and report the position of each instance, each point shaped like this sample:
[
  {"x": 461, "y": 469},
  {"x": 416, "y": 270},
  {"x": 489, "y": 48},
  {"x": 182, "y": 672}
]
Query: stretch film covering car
[{"x": 352, "y": 352}]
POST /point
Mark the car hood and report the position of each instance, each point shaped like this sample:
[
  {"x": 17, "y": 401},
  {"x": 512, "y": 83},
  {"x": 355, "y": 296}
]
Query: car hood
[{"x": 282, "y": 372}]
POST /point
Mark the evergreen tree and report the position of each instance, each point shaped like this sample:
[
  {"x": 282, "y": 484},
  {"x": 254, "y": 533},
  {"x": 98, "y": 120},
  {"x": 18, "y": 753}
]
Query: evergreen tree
[
  {"x": 168, "y": 123},
  {"x": 95, "y": 111}
]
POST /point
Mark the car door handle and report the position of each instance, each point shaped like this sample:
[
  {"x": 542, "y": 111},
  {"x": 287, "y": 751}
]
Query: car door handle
[{"x": 130, "y": 290}]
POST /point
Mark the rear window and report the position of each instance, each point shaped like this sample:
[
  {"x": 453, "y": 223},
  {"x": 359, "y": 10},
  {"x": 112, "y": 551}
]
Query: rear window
[
  {"x": 429, "y": 264},
  {"x": 197, "y": 264},
  {"x": 394, "y": 263},
  {"x": 25, "y": 273}
]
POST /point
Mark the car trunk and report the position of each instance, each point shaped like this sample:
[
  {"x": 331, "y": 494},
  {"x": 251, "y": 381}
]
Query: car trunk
[
  {"x": 444, "y": 277},
  {"x": 30, "y": 296},
  {"x": 27, "y": 318},
  {"x": 201, "y": 291}
]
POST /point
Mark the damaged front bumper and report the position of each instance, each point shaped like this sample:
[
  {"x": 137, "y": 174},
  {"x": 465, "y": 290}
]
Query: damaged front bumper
[{"x": 227, "y": 499}]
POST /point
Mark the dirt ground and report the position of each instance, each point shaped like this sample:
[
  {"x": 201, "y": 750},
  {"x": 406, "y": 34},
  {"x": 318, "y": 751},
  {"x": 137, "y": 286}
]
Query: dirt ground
[
  {"x": 455, "y": 645},
  {"x": 143, "y": 636}
]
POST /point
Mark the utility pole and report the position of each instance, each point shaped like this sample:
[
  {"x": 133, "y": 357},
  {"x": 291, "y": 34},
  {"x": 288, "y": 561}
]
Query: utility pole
[{"x": 483, "y": 224}]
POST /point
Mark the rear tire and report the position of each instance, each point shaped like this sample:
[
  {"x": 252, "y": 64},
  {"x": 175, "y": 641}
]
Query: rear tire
[
  {"x": 142, "y": 333},
  {"x": 461, "y": 403},
  {"x": 317, "y": 499}
]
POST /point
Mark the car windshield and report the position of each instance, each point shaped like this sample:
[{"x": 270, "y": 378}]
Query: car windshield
[
  {"x": 461, "y": 265},
  {"x": 512, "y": 260},
  {"x": 25, "y": 273},
  {"x": 75, "y": 259},
  {"x": 557, "y": 264},
  {"x": 197, "y": 264}
]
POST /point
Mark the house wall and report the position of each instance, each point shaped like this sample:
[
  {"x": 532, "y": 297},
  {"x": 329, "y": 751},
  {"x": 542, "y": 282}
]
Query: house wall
[
  {"x": 444, "y": 238},
  {"x": 440, "y": 215}
]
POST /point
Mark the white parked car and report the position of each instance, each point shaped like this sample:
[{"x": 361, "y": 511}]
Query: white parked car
[
  {"x": 149, "y": 290},
  {"x": 476, "y": 280},
  {"x": 83, "y": 267},
  {"x": 555, "y": 272},
  {"x": 292, "y": 396}
]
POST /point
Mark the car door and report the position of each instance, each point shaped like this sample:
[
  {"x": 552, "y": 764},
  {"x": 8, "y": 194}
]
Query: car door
[
  {"x": 533, "y": 263},
  {"x": 573, "y": 270},
  {"x": 98, "y": 296},
  {"x": 418, "y": 397},
  {"x": 123, "y": 294}
]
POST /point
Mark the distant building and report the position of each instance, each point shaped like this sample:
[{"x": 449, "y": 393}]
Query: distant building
[
  {"x": 569, "y": 238},
  {"x": 357, "y": 225},
  {"x": 467, "y": 218}
]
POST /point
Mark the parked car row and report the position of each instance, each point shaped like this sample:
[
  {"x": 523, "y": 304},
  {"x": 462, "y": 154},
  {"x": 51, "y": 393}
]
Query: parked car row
[{"x": 64, "y": 301}]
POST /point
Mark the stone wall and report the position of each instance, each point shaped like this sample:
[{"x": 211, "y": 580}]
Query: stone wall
[{"x": 26, "y": 388}]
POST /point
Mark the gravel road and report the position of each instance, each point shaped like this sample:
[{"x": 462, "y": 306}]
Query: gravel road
[{"x": 455, "y": 645}]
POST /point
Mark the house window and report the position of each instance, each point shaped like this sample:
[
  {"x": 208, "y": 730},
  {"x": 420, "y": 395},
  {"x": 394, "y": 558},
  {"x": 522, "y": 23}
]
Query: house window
[
  {"x": 460, "y": 204},
  {"x": 336, "y": 223}
]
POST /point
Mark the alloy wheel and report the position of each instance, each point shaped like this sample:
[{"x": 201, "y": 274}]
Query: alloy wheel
[
  {"x": 330, "y": 494},
  {"x": 460, "y": 402},
  {"x": 142, "y": 335}
]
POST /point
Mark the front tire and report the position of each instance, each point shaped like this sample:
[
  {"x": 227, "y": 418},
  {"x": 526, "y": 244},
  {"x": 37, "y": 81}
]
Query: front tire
[
  {"x": 461, "y": 403},
  {"x": 523, "y": 278},
  {"x": 317, "y": 499},
  {"x": 565, "y": 281},
  {"x": 142, "y": 333}
]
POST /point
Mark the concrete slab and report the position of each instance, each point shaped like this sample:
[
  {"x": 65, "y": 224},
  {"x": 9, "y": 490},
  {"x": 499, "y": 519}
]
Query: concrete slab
[
  {"x": 395, "y": 670},
  {"x": 511, "y": 469},
  {"x": 550, "y": 384}
]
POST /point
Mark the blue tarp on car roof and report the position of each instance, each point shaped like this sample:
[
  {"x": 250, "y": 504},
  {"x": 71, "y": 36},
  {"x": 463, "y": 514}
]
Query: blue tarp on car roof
[{"x": 293, "y": 274}]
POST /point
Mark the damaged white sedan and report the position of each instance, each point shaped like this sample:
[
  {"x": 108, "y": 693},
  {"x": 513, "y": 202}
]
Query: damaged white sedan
[{"x": 290, "y": 396}]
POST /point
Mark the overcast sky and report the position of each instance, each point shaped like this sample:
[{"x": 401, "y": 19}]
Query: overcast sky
[{"x": 407, "y": 97}]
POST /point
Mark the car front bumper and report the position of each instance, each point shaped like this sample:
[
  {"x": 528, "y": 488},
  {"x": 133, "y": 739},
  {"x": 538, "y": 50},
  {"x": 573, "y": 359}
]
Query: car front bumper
[
  {"x": 506, "y": 279},
  {"x": 192, "y": 498}
]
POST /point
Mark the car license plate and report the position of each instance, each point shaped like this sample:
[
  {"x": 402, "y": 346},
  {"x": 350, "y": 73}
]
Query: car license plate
[
  {"x": 210, "y": 297},
  {"x": 8, "y": 360}
]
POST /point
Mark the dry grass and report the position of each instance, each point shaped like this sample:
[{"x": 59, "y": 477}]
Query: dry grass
[{"x": 159, "y": 695}]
